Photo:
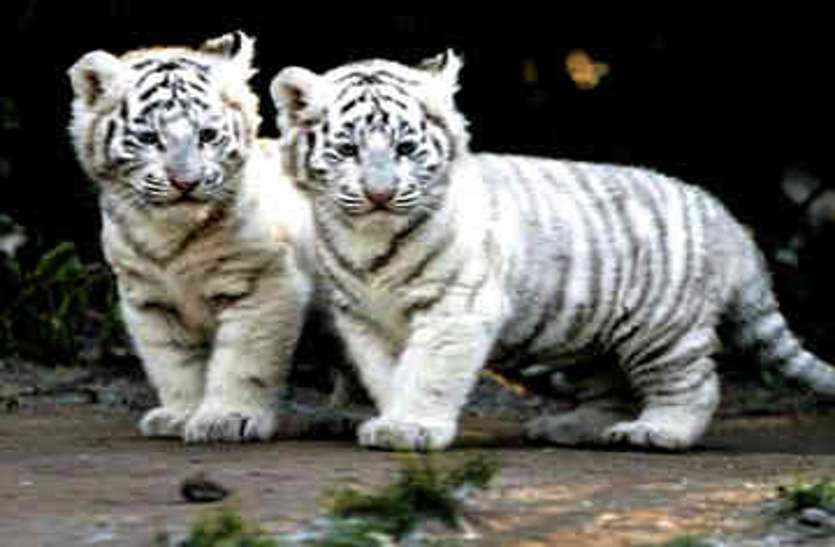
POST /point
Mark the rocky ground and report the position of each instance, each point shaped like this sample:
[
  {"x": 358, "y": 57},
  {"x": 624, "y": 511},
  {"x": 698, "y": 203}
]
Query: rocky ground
[{"x": 74, "y": 471}]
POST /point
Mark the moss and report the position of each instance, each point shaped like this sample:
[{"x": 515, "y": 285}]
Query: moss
[
  {"x": 420, "y": 492},
  {"x": 806, "y": 495},
  {"x": 226, "y": 528},
  {"x": 352, "y": 533}
]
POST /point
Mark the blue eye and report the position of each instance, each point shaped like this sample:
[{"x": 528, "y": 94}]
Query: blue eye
[
  {"x": 347, "y": 149},
  {"x": 207, "y": 135},
  {"x": 406, "y": 148},
  {"x": 148, "y": 137}
]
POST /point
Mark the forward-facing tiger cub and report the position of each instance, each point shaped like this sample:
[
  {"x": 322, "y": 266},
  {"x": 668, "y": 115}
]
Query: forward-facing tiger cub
[
  {"x": 440, "y": 260},
  {"x": 202, "y": 229}
]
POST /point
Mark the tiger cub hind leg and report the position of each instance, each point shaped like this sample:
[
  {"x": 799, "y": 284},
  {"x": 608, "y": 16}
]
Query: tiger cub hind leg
[
  {"x": 603, "y": 401},
  {"x": 585, "y": 425},
  {"x": 678, "y": 403}
]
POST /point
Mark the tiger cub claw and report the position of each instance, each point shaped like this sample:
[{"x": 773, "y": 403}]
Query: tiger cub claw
[
  {"x": 645, "y": 435},
  {"x": 230, "y": 425},
  {"x": 164, "y": 421},
  {"x": 389, "y": 434}
]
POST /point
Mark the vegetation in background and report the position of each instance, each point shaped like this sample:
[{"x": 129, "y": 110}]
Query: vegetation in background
[{"x": 54, "y": 308}]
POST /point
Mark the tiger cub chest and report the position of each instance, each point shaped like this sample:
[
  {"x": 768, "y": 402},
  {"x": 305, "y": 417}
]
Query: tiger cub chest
[{"x": 196, "y": 286}]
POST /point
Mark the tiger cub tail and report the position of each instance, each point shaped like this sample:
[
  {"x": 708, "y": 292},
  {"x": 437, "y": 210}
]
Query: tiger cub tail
[{"x": 758, "y": 328}]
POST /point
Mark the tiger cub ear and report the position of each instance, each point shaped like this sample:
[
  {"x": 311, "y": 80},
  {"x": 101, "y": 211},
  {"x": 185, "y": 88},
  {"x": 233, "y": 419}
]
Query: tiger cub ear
[
  {"x": 445, "y": 66},
  {"x": 298, "y": 97},
  {"x": 235, "y": 46},
  {"x": 95, "y": 75}
]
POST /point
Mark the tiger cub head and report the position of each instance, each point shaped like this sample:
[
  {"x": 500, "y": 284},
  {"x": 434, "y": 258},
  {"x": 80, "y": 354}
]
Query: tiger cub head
[
  {"x": 373, "y": 139},
  {"x": 162, "y": 126}
]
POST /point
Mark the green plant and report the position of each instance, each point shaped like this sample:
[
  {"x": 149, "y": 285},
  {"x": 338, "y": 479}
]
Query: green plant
[
  {"x": 806, "y": 495},
  {"x": 226, "y": 528},
  {"x": 421, "y": 492},
  {"x": 54, "y": 307}
]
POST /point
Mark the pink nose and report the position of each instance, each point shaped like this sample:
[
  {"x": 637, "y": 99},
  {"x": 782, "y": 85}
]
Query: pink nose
[
  {"x": 183, "y": 185},
  {"x": 379, "y": 197}
]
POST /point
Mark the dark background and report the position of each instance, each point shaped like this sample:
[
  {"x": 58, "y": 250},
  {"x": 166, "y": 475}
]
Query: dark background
[{"x": 728, "y": 106}]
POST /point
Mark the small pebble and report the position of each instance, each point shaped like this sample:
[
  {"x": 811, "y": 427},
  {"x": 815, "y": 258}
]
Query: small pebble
[
  {"x": 817, "y": 518},
  {"x": 198, "y": 488}
]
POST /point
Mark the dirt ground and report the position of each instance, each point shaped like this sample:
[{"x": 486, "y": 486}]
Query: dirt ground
[{"x": 76, "y": 474}]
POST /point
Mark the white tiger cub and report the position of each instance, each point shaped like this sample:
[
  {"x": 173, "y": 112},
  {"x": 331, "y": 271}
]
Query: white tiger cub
[
  {"x": 440, "y": 260},
  {"x": 201, "y": 228}
]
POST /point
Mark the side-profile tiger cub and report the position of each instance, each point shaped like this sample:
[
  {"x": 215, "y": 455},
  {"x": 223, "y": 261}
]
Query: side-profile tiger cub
[
  {"x": 201, "y": 228},
  {"x": 440, "y": 260}
]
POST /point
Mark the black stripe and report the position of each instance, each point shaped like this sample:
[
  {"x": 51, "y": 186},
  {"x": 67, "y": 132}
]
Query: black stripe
[
  {"x": 108, "y": 140},
  {"x": 651, "y": 290},
  {"x": 149, "y": 107},
  {"x": 348, "y": 106},
  {"x": 200, "y": 102},
  {"x": 214, "y": 220},
  {"x": 145, "y": 95},
  {"x": 427, "y": 303},
  {"x": 400, "y": 237},
  {"x": 390, "y": 99},
  {"x": 402, "y": 80},
  {"x": 627, "y": 265},
  {"x": 201, "y": 68},
  {"x": 154, "y": 71},
  {"x": 123, "y": 112},
  {"x": 684, "y": 303},
  {"x": 324, "y": 234},
  {"x": 334, "y": 279},
  {"x": 310, "y": 146},
  {"x": 429, "y": 256},
  {"x": 584, "y": 313},
  {"x": 673, "y": 390},
  {"x": 663, "y": 361},
  {"x": 598, "y": 208},
  {"x": 513, "y": 184},
  {"x": 376, "y": 77},
  {"x": 547, "y": 310},
  {"x": 196, "y": 87},
  {"x": 144, "y": 64}
]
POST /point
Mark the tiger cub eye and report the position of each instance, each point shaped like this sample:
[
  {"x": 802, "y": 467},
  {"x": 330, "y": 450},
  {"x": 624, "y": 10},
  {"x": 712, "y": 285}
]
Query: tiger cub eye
[
  {"x": 347, "y": 149},
  {"x": 207, "y": 135},
  {"x": 406, "y": 148},
  {"x": 151, "y": 138}
]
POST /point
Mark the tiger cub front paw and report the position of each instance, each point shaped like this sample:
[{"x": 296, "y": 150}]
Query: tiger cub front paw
[
  {"x": 421, "y": 436},
  {"x": 233, "y": 425},
  {"x": 164, "y": 421}
]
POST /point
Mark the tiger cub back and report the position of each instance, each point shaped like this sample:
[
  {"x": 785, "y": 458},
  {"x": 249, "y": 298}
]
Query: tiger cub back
[
  {"x": 201, "y": 227},
  {"x": 440, "y": 260}
]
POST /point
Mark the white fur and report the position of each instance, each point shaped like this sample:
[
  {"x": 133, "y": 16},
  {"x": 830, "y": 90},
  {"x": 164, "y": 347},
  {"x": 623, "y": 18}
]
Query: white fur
[
  {"x": 547, "y": 258},
  {"x": 213, "y": 293}
]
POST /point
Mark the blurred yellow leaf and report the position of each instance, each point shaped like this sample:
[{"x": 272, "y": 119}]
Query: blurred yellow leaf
[{"x": 583, "y": 70}]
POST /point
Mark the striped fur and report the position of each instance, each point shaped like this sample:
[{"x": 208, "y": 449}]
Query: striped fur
[
  {"x": 201, "y": 228},
  {"x": 440, "y": 260}
]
